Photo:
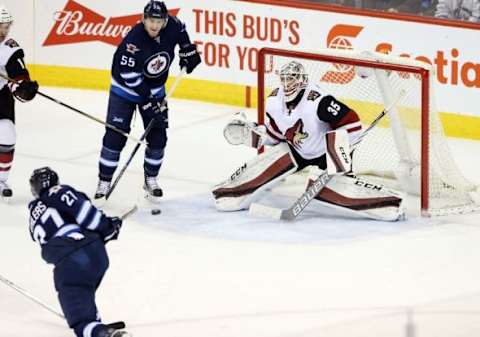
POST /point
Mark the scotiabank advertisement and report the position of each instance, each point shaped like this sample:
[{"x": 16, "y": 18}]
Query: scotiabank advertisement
[{"x": 84, "y": 33}]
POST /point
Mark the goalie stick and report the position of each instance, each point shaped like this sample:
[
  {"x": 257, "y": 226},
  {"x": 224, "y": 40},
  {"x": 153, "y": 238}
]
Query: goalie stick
[
  {"x": 299, "y": 205},
  {"x": 110, "y": 126},
  {"x": 145, "y": 133}
]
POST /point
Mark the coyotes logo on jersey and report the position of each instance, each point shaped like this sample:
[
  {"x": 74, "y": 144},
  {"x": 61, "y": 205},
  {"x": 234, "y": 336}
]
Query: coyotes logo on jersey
[{"x": 295, "y": 134}]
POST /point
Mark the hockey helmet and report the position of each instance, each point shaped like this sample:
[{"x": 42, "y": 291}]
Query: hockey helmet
[
  {"x": 293, "y": 79},
  {"x": 42, "y": 179},
  {"x": 5, "y": 16},
  {"x": 155, "y": 9}
]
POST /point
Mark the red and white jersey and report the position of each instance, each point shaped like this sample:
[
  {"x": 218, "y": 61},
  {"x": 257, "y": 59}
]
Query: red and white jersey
[
  {"x": 9, "y": 47},
  {"x": 305, "y": 126}
]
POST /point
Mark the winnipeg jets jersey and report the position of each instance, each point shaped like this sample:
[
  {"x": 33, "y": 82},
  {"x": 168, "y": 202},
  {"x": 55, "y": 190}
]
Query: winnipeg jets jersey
[
  {"x": 63, "y": 219},
  {"x": 304, "y": 127},
  {"x": 11, "y": 60},
  {"x": 141, "y": 63}
]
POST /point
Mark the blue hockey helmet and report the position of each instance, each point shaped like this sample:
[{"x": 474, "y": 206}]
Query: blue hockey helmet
[
  {"x": 155, "y": 9},
  {"x": 42, "y": 179}
]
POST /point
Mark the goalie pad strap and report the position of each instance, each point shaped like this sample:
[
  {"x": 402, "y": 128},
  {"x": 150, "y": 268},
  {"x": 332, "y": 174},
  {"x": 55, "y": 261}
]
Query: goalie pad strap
[
  {"x": 330, "y": 138},
  {"x": 279, "y": 167},
  {"x": 329, "y": 196}
]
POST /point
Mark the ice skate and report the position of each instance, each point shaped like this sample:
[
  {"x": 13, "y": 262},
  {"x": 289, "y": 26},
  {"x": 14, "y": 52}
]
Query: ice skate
[
  {"x": 153, "y": 191},
  {"x": 5, "y": 190},
  {"x": 102, "y": 189}
]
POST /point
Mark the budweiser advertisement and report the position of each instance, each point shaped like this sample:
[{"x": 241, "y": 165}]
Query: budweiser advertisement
[
  {"x": 229, "y": 34},
  {"x": 77, "y": 23}
]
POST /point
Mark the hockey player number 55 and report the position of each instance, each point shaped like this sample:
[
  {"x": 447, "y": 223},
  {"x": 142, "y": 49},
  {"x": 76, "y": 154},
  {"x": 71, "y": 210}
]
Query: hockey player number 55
[{"x": 127, "y": 61}]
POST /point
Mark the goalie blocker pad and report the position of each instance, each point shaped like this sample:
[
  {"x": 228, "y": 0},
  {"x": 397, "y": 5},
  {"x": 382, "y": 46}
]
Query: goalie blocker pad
[
  {"x": 361, "y": 198},
  {"x": 247, "y": 183}
]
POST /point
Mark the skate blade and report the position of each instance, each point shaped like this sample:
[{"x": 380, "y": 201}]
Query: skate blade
[{"x": 152, "y": 199}]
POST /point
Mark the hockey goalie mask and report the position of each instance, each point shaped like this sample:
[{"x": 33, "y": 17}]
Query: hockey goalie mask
[{"x": 293, "y": 79}]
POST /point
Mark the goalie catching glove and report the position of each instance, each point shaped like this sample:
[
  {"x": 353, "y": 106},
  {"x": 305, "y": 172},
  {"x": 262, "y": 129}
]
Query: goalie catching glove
[{"x": 241, "y": 131}]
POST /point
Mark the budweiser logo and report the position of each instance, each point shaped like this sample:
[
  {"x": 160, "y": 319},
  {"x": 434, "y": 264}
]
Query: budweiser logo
[{"x": 76, "y": 23}]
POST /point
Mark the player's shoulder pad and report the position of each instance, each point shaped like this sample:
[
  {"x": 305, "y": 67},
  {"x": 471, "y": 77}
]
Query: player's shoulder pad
[
  {"x": 179, "y": 24},
  {"x": 8, "y": 49},
  {"x": 12, "y": 43},
  {"x": 136, "y": 35},
  {"x": 53, "y": 193}
]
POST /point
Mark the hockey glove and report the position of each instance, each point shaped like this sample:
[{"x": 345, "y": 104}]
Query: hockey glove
[
  {"x": 241, "y": 131},
  {"x": 24, "y": 90},
  {"x": 189, "y": 57},
  {"x": 113, "y": 229}
]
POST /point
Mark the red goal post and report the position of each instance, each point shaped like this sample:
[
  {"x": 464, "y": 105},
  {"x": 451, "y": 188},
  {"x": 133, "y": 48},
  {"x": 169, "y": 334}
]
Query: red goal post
[{"x": 408, "y": 144}]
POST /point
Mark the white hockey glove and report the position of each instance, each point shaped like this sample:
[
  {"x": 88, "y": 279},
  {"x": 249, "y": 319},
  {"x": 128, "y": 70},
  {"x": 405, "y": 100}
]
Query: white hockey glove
[
  {"x": 241, "y": 131},
  {"x": 339, "y": 160}
]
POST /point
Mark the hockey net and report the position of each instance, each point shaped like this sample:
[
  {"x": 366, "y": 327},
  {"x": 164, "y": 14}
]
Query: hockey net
[{"x": 408, "y": 150}]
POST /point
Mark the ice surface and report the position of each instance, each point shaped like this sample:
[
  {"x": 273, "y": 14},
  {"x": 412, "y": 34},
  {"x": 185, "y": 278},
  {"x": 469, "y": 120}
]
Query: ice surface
[{"x": 192, "y": 271}]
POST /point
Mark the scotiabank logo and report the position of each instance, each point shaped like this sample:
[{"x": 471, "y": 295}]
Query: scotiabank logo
[
  {"x": 340, "y": 37},
  {"x": 76, "y": 23}
]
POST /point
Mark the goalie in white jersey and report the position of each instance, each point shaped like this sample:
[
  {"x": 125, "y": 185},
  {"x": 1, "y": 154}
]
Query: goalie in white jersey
[
  {"x": 12, "y": 66},
  {"x": 299, "y": 118}
]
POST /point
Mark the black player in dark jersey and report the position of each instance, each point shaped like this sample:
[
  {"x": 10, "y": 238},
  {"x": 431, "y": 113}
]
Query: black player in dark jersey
[
  {"x": 72, "y": 234},
  {"x": 11, "y": 59},
  {"x": 139, "y": 71}
]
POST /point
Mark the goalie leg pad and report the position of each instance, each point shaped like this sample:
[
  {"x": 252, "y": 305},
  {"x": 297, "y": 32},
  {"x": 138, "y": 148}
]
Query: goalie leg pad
[
  {"x": 248, "y": 182},
  {"x": 361, "y": 198},
  {"x": 338, "y": 156}
]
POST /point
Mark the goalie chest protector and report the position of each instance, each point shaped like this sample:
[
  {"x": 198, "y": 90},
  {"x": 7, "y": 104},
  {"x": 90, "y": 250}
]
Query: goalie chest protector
[{"x": 301, "y": 126}]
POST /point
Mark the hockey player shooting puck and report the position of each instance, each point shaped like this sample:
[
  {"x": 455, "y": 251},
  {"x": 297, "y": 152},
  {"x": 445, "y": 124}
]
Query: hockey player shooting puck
[{"x": 155, "y": 211}]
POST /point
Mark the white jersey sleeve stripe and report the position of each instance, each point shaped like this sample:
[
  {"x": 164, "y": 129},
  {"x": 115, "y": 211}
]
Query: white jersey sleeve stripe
[
  {"x": 131, "y": 75},
  {"x": 82, "y": 215},
  {"x": 95, "y": 222}
]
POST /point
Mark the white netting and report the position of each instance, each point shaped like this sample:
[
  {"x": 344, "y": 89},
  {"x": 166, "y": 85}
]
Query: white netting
[{"x": 392, "y": 151}]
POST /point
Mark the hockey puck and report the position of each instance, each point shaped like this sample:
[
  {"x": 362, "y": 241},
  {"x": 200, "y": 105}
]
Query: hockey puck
[{"x": 155, "y": 211}]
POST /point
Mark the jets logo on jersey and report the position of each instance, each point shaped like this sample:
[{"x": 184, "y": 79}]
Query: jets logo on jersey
[
  {"x": 157, "y": 64},
  {"x": 295, "y": 134}
]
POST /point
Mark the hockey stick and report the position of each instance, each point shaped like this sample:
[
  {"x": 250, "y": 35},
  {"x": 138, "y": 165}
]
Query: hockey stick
[
  {"x": 110, "y": 126},
  {"x": 30, "y": 296},
  {"x": 129, "y": 212},
  {"x": 145, "y": 133},
  {"x": 299, "y": 205},
  {"x": 115, "y": 325}
]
